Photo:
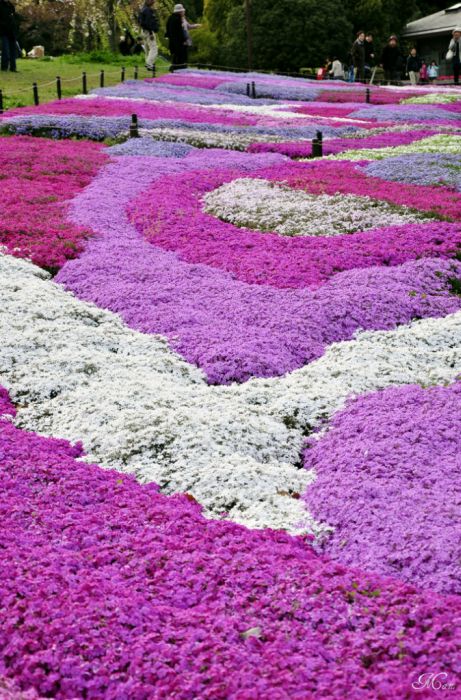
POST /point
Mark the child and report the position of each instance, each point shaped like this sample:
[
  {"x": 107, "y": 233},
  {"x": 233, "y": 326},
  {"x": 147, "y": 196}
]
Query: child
[
  {"x": 433, "y": 72},
  {"x": 423, "y": 73}
]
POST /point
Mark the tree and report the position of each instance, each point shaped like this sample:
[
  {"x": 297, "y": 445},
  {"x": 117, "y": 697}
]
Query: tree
[{"x": 287, "y": 35}]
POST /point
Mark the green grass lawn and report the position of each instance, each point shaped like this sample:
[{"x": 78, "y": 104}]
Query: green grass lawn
[{"x": 17, "y": 87}]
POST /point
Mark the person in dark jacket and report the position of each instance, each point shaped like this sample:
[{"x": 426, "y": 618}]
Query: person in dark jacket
[
  {"x": 358, "y": 56},
  {"x": 455, "y": 50},
  {"x": 391, "y": 60},
  {"x": 8, "y": 35},
  {"x": 177, "y": 38},
  {"x": 414, "y": 64},
  {"x": 369, "y": 55},
  {"x": 148, "y": 21}
]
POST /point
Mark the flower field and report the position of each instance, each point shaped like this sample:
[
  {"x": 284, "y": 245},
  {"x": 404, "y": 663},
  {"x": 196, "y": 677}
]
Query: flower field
[{"x": 230, "y": 392}]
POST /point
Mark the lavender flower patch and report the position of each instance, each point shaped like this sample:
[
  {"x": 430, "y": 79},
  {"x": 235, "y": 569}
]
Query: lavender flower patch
[
  {"x": 405, "y": 113},
  {"x": 133, "y": 89},
  {"x": 273, "y": 90},
  {"x": 420, "y": 169},
  {"x": 67, "y": 126},
  {"x": 389, "y": 481},
  {"x": 148, "y": 147}
]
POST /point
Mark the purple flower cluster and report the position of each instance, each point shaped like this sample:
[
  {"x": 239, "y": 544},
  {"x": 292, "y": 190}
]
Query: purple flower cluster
[
  {"x": 66, "y": 126},
  {"x": 301, "y": 261},
  {"x": 231, "y": 329},
  {"x": 6, "y": 407},
  {"x": 171, "y": 93},
  {"x": 406, "y": 113},
  {"x": 420, "y": 169},
  {"x": 272, "y": 89},
  {"x": 110, "y": 590},
  {"x": 388, "y": 480}
]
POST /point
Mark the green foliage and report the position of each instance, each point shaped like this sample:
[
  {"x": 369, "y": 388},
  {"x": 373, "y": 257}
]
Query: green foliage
[
  {"x": 287, "y": 35},
  {"x": 103, "y": 56},
  {"x": 206, "y": 46}
]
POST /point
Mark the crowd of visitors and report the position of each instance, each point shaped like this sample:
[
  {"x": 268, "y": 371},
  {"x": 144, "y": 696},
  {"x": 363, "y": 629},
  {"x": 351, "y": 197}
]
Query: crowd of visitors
[{"x": 362, "y": 63}]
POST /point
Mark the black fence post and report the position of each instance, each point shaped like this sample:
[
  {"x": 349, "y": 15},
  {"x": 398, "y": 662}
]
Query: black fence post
[
  {"x": 248, "y": 89},
  {"x": 1, "y": 102},
  {"x": 35, "y": 91},
  {"x": 101, "y": 78},
  {"x": 136, "y": 72},
  {"x": 134, "y": 133},
  {"x": 58, "y": 87},
  {"x": 367, "y": 96},
  {"x": 123, "y": 74},
  {"x": 253, "y": 90},
  {"x": 84, "y": 84}
]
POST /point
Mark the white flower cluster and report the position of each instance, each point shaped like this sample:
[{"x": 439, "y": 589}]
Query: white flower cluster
[
  {"x": 202, "y": 138},
  {"x": 79, "y": 373},
  {"x": 440, "y": 143},
  {"x": 264, "y": 205},
  {"x": 433, "y": 98}
]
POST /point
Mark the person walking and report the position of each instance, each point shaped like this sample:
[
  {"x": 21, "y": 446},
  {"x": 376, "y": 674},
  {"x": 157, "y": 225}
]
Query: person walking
[
  {"x": 414, "y": 64},
  {"x": 177, "y": 33},
  {"x": 454, "y": 53},
  {"x": 148, "y": 21},
  {"x": 358, "y": 56},
  {"x": 8, "y": 30},
  {"x": 391, "y": 60},
  {"x": 176, "y": 38}
]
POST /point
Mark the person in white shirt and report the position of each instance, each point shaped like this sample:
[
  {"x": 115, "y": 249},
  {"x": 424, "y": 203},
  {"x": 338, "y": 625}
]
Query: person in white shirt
[
  {"x": 337, "y": 70},
  {"x": 433, "y": 72}
]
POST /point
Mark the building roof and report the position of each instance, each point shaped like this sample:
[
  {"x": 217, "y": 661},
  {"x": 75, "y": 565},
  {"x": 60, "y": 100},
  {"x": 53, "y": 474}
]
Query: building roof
[{"x": 438, "y": 23}]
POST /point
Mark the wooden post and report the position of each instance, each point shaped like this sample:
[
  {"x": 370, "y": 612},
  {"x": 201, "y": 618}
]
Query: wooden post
[
  {"x": 84, "y": 84},
  {"x": 134, "y": 133},
  {"x": 58, "y": 87},
  {"x": 1, "y": 102},
  {"x": 101, "y": 79},
  {"x": 35, "y": 91},
  {"x": 123, "y": 74}
]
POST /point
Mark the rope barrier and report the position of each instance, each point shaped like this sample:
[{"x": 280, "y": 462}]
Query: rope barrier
[{"x": 59, "y": 82}]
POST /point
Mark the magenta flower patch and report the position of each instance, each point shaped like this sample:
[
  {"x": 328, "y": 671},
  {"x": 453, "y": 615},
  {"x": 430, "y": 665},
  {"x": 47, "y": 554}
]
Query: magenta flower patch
[
  {"x": 38, "y": 179},
  {"x": 112, "y": 590},
  {"x": 172, "y": 217}
]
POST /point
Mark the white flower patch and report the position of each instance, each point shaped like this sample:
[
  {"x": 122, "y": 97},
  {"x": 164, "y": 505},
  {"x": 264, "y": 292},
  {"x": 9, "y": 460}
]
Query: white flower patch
[
  {"x": 267, "y": 206},
  {"x": 79, "y": 373},
  {"x": 202, "y": 138},
  {"x": 280, "y": 112},
  {"x": 440, "y": 143},
  {"x": 433, "y": 98}
]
